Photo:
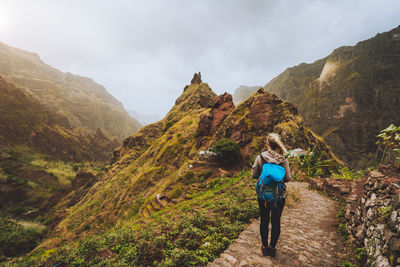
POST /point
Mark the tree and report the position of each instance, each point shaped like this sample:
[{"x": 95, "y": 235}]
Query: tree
[
  {"x": 227, "y": 152},
  {"x": 389, "y": 138}
]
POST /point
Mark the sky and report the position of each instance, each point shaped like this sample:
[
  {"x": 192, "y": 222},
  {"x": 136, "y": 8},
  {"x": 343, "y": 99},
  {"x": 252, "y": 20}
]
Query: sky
[{"x": 145, "y": 51}]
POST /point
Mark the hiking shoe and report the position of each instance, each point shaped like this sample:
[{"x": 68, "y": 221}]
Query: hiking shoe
[
  {"x": 272, "y": 252},
  {"x": 266, "y": 251}
]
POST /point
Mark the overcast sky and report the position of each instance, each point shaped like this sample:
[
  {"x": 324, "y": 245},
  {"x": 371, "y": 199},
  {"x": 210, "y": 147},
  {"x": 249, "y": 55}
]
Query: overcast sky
[{"x": 144, "y": 52}]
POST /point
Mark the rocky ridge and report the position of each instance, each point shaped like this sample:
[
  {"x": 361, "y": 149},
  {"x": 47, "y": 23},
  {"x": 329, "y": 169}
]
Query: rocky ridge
[{"x": 148, "y": 171}]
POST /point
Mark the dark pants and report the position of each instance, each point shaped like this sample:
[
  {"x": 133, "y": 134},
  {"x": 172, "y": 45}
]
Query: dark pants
[{"x": 273, "y": 212}]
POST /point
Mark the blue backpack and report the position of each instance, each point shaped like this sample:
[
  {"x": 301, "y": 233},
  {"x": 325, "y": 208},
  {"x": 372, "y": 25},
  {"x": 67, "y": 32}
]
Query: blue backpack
[{"x": 269, "y": 184}]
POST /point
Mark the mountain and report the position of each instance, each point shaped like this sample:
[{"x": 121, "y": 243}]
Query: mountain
[
  {"x": 349, "y": 96},
  {"x": 82, "y": 102},
  {"x": 143, "y": 118},
  {"x": 39, "y": 156},
  {"x": 53, "y": 126},
  {"x": 243, "y": 92},
  {"x": 164, "y": 195},
  {"x": 26, "y": 121}
]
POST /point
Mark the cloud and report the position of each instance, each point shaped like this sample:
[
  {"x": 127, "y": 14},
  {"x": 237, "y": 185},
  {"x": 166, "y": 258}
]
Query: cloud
[{"x": 144, "y": 52}]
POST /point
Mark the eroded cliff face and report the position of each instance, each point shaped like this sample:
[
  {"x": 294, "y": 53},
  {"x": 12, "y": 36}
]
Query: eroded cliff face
[
  {"x": 349, "y": 96},
  {"x": 151, "y": 171}
]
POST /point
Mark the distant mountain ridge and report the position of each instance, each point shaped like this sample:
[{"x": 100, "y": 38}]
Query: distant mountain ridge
[
  {"x": 144, "y": 119},
  {"x": 243, "y": 92},
  {"x": 80, "y": 100}
]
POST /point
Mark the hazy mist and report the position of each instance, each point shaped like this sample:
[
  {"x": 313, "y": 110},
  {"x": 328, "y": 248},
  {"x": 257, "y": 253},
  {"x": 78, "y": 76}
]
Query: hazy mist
[{"x": 144, "y": 52}]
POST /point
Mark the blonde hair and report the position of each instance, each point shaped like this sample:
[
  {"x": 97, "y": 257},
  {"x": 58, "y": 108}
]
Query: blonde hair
[{"x": 273, "y": 142}]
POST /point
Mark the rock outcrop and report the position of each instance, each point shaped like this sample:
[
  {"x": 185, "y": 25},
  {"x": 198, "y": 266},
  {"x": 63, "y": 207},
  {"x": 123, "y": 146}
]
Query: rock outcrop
[
  {"x": 222, "y": 107},
  {"x": 196, "y": 78}
]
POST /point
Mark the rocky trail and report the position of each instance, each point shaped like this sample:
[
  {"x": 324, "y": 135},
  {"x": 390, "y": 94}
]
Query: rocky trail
[{"x": 309, "y": 236}]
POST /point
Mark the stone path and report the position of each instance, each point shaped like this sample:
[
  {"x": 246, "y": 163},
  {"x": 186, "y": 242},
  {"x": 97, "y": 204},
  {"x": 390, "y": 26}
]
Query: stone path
[{"x": 309, "y": 236}]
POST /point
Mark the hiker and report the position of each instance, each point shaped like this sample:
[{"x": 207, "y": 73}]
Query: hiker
[{"x": 271, "y": 205}]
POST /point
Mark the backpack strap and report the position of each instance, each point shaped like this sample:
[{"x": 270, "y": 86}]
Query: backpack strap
[
  {"x": 262, "y": 181},
  {"x": 262, "y": 160}
]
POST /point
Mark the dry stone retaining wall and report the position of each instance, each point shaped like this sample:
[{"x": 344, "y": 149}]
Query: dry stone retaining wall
[{"x": 375, "y": 222}]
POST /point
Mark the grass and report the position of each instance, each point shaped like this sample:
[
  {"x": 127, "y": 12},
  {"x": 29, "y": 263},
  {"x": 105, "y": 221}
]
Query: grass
[
  {"x": 19, "y": 237},
  {"x": 293, "y": 197},
  {"x": 191, "y": 233}
]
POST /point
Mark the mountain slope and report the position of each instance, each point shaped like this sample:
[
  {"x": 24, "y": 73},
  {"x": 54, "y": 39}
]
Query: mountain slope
[
  {"x": 25, "y": 121},
  {"x": 162, "y": 167},
  {"x": 84, "y": 103},
  {"x": 32, "y": 136},
  {"x": 349, "y": 96}
]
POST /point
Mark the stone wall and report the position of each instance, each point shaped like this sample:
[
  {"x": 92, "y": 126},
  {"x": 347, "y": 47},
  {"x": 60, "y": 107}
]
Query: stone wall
[{"x": 372, "y": 217}]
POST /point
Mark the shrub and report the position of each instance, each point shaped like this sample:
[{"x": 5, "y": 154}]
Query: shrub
[
  {"x": 176, "y": 192},
  {"x": 187, "y": 178},
  {"x": 313, "y": 164},
  {"x": 205, "y": 175},
  {"x": 346, "y": 173},
  {"x": 168, "y": 125},
  {"x": 389, "y": 138},
  {"x": 227, "y": 152}
]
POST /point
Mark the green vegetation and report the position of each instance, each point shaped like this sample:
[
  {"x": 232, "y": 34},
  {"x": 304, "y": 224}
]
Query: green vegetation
[
  {"x": 313, "y": 164},
  {"x": 384, "y": 213},
  {"x": 192, "y": 233},
  {"x": 228, "y": 152},
  {"x": 389, "y": 139},
  {"x": 19, "y": 237},
  {"x": 342, "y": 222},
  {"x": 293, "y": 197},
  {"x": 361, "y": 255},
  {"x": 168, "y": 125},
  {"x": 348, "y": 264},
  {"x": 346, "y": 173}
]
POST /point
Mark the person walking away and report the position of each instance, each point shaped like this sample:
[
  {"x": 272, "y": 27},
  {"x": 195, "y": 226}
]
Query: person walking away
[{"x": 271, "y": 207}]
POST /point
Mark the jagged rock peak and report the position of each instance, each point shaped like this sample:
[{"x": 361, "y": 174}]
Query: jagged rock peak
[
  {"x": 261, "y": 91},
  {"x": 221, "y": 99},
  {"x": 196, "y": 78}
]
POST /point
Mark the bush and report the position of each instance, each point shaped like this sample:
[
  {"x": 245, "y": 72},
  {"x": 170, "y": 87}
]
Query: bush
[
  {"x": 227, "y": 152},
  {"x": 187, "y": 178},
  {"x": 389, "y": 138},
  {"x": 347, "y": 174},
  {"x": 313, "y": 164},
  {"x": 168, "y": 125}
]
